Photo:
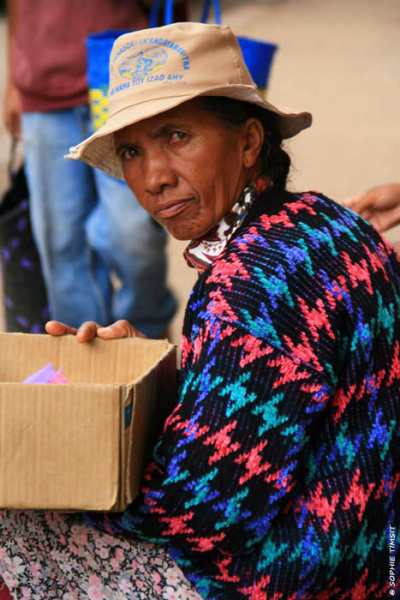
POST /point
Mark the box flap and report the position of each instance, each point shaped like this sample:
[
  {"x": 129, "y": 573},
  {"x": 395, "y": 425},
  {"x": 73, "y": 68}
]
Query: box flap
[{"x": 98, "y": 361}]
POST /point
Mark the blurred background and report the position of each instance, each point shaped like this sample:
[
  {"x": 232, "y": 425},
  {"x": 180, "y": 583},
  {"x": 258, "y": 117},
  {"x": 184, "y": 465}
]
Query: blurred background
[{"x": 338, "y": 59}]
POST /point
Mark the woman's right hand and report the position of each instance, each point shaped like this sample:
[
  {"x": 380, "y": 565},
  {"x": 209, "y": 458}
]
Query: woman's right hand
[{"x": 88, "y": 330}]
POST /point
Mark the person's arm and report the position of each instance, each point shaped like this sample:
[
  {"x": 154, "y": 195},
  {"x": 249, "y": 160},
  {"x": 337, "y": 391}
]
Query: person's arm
[
  {"x": 12, "y": 102},
  {"x": 380, "y": 206}
]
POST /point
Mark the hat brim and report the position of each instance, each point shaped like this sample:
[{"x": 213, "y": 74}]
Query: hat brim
[{"x": 99, "y": 150}]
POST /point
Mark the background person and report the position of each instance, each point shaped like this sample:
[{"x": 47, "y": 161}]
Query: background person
[
  {"x": 87, "y": 226},
  {"x": 280, "y": 460}
]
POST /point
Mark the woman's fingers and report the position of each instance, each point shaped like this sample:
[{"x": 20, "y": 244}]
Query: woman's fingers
[
  {"x": 90, "y": 329},
  {"x": 119, "y": 329},
  {"x": 87, "y": 331},
  {"x": 57, "y": 328}
]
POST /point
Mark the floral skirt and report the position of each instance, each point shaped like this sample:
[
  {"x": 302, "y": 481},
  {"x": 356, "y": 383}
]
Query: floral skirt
[{"x": 56, "y": 556}]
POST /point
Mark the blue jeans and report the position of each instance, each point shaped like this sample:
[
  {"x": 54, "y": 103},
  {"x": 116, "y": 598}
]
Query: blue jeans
[{"x": 89, "y": 227}]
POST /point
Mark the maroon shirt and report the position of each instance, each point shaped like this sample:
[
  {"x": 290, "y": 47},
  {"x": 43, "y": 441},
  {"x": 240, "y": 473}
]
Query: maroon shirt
[{"x": 49, "y": 53}]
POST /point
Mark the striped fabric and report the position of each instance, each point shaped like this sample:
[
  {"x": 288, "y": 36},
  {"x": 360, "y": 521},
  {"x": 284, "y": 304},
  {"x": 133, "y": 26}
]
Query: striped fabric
[{"x": 277, "y": 476}]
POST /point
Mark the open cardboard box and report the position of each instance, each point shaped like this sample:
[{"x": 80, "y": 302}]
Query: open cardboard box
[{"x": 82, "y": 445}]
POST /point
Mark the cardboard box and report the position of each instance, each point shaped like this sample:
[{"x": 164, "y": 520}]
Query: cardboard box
[{"x": 82, "y": 445}]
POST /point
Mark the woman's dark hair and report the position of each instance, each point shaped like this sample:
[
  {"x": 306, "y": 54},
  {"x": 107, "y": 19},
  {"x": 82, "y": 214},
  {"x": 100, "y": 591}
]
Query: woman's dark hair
[{"x": 276, "y": 162}]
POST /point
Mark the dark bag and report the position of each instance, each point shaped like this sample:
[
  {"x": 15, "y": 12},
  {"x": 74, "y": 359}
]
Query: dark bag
[{"x": 24, "y": 293}]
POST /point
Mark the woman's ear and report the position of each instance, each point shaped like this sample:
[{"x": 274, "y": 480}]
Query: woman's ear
[{"x": 253, "y": 137}]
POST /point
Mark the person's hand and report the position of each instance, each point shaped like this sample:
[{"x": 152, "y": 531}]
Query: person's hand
[
  {"x": 396, "y": 246},
  {"x": 12, "y": 111},
  {"x": 88, "y": 330},
  {"x": 380, "y": 206}
]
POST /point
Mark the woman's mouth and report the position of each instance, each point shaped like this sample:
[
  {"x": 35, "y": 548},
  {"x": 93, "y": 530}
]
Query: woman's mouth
[{"x": 172, "y": 209}]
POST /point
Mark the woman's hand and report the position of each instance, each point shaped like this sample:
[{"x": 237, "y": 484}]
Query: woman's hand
[
  {"x": 88, "y": 330},
  {"x": 380, "y": 206}
]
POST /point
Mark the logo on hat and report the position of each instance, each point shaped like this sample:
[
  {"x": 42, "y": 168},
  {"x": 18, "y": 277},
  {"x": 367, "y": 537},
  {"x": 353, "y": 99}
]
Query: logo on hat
[
  {"x": 143, "y": 63},
  {"x": 138, "y": 61}
]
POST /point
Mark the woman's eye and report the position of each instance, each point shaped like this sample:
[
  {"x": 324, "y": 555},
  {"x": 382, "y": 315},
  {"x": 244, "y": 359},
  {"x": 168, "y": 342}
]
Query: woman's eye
[
  {"x": 178, "y": 136},
  {"x": 128, "y": 153}
]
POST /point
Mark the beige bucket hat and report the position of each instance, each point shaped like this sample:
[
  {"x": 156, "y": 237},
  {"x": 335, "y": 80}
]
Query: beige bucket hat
[{"x": 154, "y": 70}]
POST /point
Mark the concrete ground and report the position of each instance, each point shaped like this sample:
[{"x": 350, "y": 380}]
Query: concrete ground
[{"x": 340, "y": 60}]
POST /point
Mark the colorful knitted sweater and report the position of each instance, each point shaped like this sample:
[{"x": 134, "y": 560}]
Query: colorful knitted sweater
[{"x": 277, "y": 475}]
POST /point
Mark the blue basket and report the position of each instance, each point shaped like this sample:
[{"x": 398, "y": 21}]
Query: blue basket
[
  {"x": 98, "y": 47},
  {"x": 258, "y": 56}
]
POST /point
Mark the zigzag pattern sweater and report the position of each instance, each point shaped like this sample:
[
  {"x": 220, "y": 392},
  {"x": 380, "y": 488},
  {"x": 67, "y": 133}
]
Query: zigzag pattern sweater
[{"x": 277, "y": 475}]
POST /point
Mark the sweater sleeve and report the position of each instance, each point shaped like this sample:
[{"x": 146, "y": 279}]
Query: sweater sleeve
[{"x": 231, "y": 451}]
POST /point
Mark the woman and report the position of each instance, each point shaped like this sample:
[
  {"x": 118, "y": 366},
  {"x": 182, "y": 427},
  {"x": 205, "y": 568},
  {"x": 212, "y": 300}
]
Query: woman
[{"x": 277, "y": 473}]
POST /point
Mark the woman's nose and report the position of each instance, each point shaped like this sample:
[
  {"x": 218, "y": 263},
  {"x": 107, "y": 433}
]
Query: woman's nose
[{"x": 158, "y": 173}]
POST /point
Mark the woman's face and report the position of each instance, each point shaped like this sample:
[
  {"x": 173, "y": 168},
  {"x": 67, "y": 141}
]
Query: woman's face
[{"x": 186, "y": 168}]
